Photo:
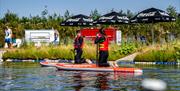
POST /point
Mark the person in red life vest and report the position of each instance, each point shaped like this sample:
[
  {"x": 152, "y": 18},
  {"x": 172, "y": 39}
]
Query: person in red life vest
[
  {"x": 102, "y": 41},
  {"x": 78, "y": 45}
]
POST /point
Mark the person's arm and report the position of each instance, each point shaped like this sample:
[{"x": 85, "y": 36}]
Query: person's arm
[
  {"x": 96, "y": 40},
  {"x": 99, "y": 39}
]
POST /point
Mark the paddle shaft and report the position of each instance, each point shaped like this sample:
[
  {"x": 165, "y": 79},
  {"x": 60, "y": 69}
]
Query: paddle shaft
[{"x": 97, "y": 53}]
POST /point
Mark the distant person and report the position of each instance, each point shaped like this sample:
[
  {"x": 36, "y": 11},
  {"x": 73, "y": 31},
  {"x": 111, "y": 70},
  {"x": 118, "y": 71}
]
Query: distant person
[
  {"x": 56, "y": 37},
  {"x": 8, "y": 37},
  {"x": 78, "y": 45},
  {"x": 103, "y": 42},
  {"x": 13, "y": 39}
]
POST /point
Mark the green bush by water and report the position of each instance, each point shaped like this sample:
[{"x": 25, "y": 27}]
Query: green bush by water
[
  {"x": 156, "y": 55},
  {"x": 170, "y": 53},
  {"x": 117, "y": 52}
]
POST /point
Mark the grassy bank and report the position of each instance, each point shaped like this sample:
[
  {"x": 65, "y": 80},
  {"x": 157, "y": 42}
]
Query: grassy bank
[
  {"x": 166, "y": 53},
  {"x": 66, "y": 52}
]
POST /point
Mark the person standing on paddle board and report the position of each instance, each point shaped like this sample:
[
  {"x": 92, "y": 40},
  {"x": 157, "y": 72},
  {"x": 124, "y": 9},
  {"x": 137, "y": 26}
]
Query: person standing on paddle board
[
  {"x": 78, "y": 45},
  {"x": 102, "y": 41}
]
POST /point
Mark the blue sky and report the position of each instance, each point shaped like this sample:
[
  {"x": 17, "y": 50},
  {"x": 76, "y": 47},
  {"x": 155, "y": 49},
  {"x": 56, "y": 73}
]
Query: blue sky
[{"x": 35, "y": 7}]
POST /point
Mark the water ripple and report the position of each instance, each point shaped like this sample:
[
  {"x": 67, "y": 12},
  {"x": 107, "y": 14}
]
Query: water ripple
[{"x": 50, "y": 79}]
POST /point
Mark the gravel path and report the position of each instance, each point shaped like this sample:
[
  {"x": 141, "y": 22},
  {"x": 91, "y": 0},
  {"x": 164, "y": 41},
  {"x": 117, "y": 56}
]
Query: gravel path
[{"x": 128, "y": 58}]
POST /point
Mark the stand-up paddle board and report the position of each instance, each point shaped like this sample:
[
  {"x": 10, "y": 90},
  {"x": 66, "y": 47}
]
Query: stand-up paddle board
[
  {"x": 89, "y": 67},
  {"x": 94, "y": 67},
  {"x": 48, "y": 64}
]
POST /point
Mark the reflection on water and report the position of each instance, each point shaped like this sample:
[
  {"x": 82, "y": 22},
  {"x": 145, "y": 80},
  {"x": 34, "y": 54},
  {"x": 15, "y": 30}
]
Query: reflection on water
[
  {"x": 102, "y": 81},
  {"x": 92, "y": 81},
  {"x": 78, "y": 81},
  {"x": 50, "y": 79}
]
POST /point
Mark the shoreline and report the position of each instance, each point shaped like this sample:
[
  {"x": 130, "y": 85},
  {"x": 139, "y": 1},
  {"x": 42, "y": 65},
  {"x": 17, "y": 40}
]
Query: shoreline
[
  {"x": 120, "y": 62},
  {"x": 158, "y": 58}
]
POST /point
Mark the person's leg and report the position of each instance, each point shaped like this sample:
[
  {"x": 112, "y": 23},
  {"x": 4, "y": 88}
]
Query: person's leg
[
  {"x": 100, "y": 61},
  {"x": 106, "y": 56},
  {"x": 78, "y": 55},
  {"x": 9, "y": 42},
  {"x": 6, "y": 43},
  {"x": 105, "y": 59}
]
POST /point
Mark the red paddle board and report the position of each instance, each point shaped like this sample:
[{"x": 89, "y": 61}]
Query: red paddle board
[
  {"x": 89, "y": 67},
  {"x": 94, "y": 67}
]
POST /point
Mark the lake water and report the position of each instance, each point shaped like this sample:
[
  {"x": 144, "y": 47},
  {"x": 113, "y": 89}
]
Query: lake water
[{"x": 33, "y": 77}]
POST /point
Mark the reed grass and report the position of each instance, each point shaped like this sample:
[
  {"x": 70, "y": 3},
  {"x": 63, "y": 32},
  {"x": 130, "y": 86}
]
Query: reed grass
[
  {"x": 67, "y": 52},
  {"x": 167, "y": 53}
]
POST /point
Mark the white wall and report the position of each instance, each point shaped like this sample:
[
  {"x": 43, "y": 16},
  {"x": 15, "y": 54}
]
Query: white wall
[
  {"x": 118, "y": 37},
  {"x": 40, "y": 36}
]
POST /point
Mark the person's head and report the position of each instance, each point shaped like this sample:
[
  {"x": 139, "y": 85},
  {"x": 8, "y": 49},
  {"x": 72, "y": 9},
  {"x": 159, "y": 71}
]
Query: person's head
[
  {"x": 101, "y": 30},
  {"x": 78, "y": 33}
]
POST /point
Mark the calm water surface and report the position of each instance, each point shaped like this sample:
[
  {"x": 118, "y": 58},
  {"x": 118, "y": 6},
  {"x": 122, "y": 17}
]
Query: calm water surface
[{"x": 21, "y": 77}]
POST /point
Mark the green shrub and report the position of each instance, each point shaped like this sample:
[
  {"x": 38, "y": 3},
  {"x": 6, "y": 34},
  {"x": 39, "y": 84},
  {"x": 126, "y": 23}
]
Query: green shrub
[
  {"x": 169, "y": 52},
  {"x": 156, "y": 55},
  {"x": 177, "y": 53},
  {"x": 2, "y": 35}
]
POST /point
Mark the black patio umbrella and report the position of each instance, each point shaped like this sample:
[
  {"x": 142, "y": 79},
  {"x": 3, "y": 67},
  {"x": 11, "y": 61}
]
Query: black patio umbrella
[
  {"x": 112, "y": 18},
  {"x": 152, "y": 15},
  {"x": 78, "y": 20}
]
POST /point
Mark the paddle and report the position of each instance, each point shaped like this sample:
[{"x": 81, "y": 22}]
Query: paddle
[{"x": 97, "y": 53}]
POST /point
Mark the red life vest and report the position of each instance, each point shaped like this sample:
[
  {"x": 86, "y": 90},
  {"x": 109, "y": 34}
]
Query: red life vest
[{"x": 104, "y": 45}]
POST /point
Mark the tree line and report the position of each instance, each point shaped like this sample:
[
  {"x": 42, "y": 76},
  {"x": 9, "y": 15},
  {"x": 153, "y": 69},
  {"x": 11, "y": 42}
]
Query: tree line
[{"x": 46, "y": 21}]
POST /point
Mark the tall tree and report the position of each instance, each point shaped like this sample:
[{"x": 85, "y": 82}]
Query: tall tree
[
  {"x": 66, "y": 14},
  {"x": 45, "y": 11},
  {"x": 129, "y": 14},
  {"x": 121, "y": 12},
  {"x": 10, "y": 17},
  {"x": 24, "y": 20},
  {"x": 95, "y": 14},
  {"x": 171, "y": 10}
]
